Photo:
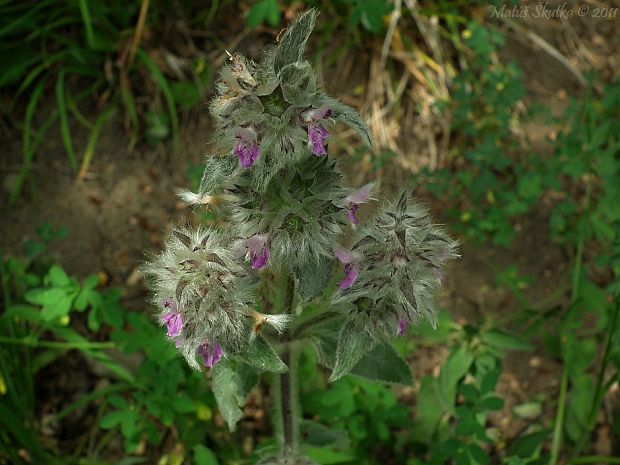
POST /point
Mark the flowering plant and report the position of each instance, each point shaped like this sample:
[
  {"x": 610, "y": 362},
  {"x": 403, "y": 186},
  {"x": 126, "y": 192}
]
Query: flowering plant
[{"x": 233, "y": 298}]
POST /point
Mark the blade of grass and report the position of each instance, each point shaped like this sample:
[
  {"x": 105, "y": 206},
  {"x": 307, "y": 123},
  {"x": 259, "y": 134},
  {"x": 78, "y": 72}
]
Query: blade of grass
[
  {"x": 64, "y": 120},
  {"x": 88, "y": 24},
  {"x": 78, "y": 114},
  {"x": 26, "y": 437},
  {"x": 103, "y": 118},
  {"x": 59, "y": 23},
  {"x": 88, "y": 398},
  {"x": 26, "y": 139},
  {"x": 162, "y": 83},
  {"x": 130, "y": 107},
  {"x": 35, "y": 72}
]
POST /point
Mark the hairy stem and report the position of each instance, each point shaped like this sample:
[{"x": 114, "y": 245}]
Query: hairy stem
[{"x": 286, "y": 389}]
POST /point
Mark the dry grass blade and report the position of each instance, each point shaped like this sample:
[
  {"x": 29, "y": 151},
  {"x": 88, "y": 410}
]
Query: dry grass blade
[{"x": 546, "y": 46}]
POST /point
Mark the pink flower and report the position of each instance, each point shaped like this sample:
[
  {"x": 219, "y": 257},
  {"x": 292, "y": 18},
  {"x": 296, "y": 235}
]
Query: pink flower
[
  {"x": 353, "y": 200},
  {"x": 174, "y": 323},
  {"x": 246, "y": 148},
  {"x": 350, "y": 260},
  {"x": 210, "y": 353},
  {"x": 316, "y": 132},
  {"x": 255, "y": 247},
  {"x": 316, "y": 138}
]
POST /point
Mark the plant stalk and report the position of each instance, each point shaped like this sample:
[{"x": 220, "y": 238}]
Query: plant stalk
[{"x": 286, "y": 395}]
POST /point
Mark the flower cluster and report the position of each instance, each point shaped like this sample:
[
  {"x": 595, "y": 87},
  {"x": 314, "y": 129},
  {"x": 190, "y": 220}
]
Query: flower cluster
[
  {"x": 394, "y": 268},
  {"x": 204, "y": 295}
]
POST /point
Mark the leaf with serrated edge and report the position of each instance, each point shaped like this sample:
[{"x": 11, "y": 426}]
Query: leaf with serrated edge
[{"x": 352, "y": 345}]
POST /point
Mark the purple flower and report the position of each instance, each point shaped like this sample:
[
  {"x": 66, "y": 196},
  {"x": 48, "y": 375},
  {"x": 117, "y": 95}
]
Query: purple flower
[
  {"x": 174, "y": 323},
  {"x": 402, "y": 326},
  {"x": 256, "y": 248},
  {"x": 316, "y": 138},
  {"x": 351, "y": 272},
  {"x": 316, "y": 132},
  {"x": 351, "y": 213},
  {"x": 353, "y": 201},
  {"x": 350, "y": 260},
  {"x": 246, "y": 148},
  {"x": 210, "y": 353}
]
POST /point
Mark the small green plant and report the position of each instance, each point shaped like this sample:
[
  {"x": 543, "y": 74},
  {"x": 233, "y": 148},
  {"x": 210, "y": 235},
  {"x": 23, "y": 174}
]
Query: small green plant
[{"x": 39, "y": 301}]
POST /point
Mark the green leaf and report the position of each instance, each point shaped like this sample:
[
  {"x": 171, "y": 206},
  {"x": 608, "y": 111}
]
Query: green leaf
[
  {"x": 317, "y": 434},
  {"x": 503, "y": 340},
  {"x": 58, "y": 277},
  {"x": 383, "y": 364},
  {"x": 183, "y": 404},
  {"x": 348, "y": 116},
  {"x": 261, "y": 355},
  {"x": 370, "y": 14},
  {"x": 528, "y": 445},
  {"x": 55, "y": 302},
  {"x": 298, "y": 84},
  {"x": 231, "y": 384},
  {"x": 293, "y": 42},
  {"x": 264, "y": 11},
  {"x": 81, "y": 301},
  {"x": 430, "y": 410},
  {"x": 326, "y": 456},
  {"x": 114, "y": 419},
  {"x": 352, "y": 345},
  {"x": 91, "y": 282},
  {"x": 451, "y": 373},
  {"x": 493, "y": 403},
  {"x": 469, "y": 392},
  {"x": 204, "y": 456},
  {"x": 94, "y": 319}
]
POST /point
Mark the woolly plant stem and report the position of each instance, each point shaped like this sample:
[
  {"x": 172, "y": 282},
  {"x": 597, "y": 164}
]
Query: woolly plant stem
[{"x": 285, "y": 392}]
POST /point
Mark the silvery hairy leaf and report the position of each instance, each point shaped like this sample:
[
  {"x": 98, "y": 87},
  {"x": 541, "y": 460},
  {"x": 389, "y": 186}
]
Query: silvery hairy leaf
[
  {"x": 293, "y": 42},
  {"x": 353, "y": 343},
  {"x": 261, "y": 355},
  {"x": 232, "y": 382},
  {"x": 347, "y": 115}
]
